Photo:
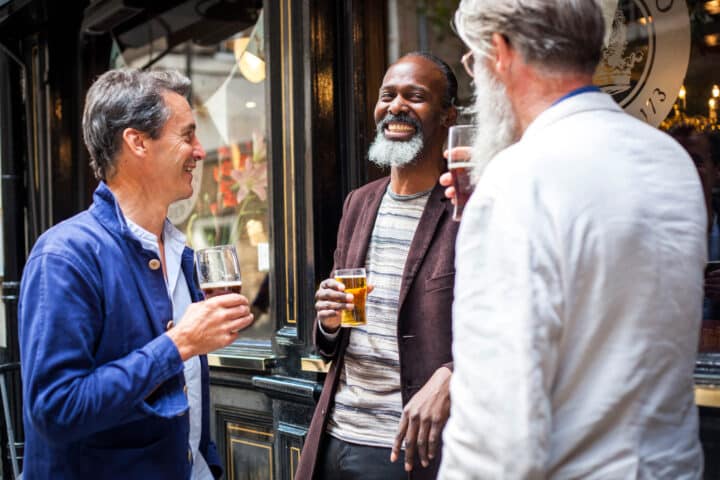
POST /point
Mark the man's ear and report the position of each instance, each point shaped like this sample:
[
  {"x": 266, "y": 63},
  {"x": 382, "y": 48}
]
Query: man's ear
[
  {"x": 503, "y": 54},
  {"x": 134, "y": 141},
  {"x": 451, "y": 117}
]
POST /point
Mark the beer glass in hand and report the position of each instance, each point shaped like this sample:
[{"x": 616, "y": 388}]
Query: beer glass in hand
[
  {"x": 460, "y": 140},
  {"x": 355, "y": 281},
  {"x": 218, "y": 270}
]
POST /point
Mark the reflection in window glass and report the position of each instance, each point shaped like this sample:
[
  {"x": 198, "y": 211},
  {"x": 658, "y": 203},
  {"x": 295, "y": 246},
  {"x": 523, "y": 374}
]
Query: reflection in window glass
[{"x": 230, "y": 200}]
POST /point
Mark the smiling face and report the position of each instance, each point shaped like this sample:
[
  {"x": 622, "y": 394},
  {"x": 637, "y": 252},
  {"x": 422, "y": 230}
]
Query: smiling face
[
  {"x": 175, "y": 152},
  {"x": 409, "y": 113}
]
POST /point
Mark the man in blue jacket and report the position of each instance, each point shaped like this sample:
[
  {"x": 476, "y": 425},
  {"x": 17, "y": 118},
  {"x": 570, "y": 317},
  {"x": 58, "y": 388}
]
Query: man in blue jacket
[{"x": 113, "y": 329}]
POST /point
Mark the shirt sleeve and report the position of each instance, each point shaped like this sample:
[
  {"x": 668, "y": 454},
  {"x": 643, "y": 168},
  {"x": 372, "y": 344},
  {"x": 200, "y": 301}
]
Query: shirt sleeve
[
  {"x": 506, "y": 330},
  {"x": 67, "y": 394},
  {"x": 328, "y": 336}
]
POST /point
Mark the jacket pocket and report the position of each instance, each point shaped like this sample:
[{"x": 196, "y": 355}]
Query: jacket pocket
[{"x": 443, "y": 281}]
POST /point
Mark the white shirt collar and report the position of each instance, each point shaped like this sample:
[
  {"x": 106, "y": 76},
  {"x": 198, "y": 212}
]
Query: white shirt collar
[{"x": 174, "y": 247}]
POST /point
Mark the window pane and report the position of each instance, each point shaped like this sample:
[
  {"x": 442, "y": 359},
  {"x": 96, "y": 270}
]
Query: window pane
[{"x": 230, "y": 200}]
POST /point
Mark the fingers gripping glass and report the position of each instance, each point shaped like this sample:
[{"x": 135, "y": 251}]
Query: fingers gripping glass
[{"x": 218, "y": 270}]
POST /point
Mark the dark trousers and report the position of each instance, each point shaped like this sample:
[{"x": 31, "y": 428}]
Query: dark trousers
[{"x": 340, "y": 460}]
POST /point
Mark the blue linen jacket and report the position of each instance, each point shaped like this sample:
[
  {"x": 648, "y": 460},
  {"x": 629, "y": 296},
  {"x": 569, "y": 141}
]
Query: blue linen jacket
[{"x": 103, "y": 386}]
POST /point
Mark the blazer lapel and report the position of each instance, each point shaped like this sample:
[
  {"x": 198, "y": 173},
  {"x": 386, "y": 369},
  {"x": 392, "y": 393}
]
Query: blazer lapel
[
  {"x": 366, "y": 223},
  {"x": 437, "y": 205}
]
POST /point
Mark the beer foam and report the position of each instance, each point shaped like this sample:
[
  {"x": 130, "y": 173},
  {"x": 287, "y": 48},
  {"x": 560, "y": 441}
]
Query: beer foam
[
  {"x": 453, "y": 165},
  {"x": 222, "y": 284}
]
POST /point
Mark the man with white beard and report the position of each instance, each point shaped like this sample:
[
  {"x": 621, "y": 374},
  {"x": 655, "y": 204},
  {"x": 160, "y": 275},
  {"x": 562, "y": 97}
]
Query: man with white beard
[
  {"x": 579, "y": 266},
  {"x": 388, "y": 385}
]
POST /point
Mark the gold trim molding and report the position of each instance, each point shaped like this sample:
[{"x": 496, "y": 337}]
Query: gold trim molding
[
  {"x": 314, "y": 364},
  {"x": 707, "y": 396}
]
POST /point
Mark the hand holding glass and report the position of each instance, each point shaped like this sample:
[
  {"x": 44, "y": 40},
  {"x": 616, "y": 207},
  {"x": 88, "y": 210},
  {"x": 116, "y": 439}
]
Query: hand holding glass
[
  {"x": 218, "y": 270},
  {"x": 460, "y": 141},
  {"x": 355, "y": 281}
]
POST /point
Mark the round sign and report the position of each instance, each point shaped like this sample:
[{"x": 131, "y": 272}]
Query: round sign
[{"x": 646, "y": 55}]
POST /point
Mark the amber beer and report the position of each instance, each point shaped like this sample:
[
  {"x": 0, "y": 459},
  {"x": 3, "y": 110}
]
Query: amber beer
[
  {"x": 221, "y": 288},
  {"x": 460, "y": 172},
  {"x": 355, "y": 281}
]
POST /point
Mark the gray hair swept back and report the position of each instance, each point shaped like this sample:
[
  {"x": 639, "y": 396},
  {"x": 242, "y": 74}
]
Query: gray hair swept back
[
  {"x": 125, "y": 98},
  {"x": 555, "y": 36}
]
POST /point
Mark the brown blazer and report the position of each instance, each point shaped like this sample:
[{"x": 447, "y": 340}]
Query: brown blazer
[{"x": 424, "y": 332}]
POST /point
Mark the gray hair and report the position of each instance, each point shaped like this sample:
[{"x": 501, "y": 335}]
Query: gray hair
[
  {"x": 556, "y": 36},
  {"x": 121, "y": 99}
]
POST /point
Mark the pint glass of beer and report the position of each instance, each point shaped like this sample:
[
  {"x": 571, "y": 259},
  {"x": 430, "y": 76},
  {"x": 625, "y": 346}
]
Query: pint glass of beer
[
  {"x": 218, "y": 270},
  {"x": 460, "y": 141},
  {"x": 355, "y": 281}
]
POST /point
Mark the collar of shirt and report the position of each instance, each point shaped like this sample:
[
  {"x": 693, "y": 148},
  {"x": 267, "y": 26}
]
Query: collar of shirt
[
  {"x": 174, "y": 246},
  {"x": 577, "y": 91}
]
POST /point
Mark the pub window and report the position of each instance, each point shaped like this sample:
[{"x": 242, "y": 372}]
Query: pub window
[{"x": 225, "y": 60}]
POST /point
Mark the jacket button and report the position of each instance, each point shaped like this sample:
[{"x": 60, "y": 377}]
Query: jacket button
[
  {"x": 169, "y": 325},
  {"x": 323, "y": 411},
  {"x": 189, "y": 456},
  {"x": 185, "y": 390},
  {"x": 154, "y": 264}
]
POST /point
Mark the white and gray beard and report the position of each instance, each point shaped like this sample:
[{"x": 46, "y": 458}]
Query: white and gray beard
[
  {"x": 494, "y": 118},
  {"x": 395, "y": 153}
]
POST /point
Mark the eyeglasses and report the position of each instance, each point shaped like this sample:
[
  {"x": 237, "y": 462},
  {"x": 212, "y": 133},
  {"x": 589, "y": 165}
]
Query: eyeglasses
[{"x": 468, "y": 61}]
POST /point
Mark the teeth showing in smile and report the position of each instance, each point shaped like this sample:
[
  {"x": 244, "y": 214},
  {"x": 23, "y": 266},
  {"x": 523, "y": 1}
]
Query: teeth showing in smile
[{"x": 400, "y": 127}]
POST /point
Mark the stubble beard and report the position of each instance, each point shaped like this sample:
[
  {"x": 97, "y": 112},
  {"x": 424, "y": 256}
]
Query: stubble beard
[{"x": 496, "y": 123}]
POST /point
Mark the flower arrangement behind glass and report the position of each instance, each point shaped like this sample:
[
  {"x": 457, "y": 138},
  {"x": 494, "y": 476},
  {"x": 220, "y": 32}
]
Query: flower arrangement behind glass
[{"x": 241, "y": 178}]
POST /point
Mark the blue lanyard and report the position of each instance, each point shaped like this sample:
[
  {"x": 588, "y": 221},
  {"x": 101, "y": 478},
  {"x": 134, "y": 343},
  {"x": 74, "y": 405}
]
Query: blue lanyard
[{"x": 577, "y": 91}]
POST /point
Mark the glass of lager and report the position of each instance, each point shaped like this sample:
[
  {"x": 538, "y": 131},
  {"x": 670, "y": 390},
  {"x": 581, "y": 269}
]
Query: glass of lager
[
  {"x": 460, "y": 141},
  {"x": 355, "y": 281},
  {"x": 218, "y": 270}
]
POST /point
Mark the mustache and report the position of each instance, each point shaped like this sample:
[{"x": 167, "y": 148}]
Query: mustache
[{"x": 400, "y": 118}]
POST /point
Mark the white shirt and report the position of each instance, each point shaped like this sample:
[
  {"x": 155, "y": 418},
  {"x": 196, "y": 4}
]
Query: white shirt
[
  {"x": 180, "y": 297},
  {"x": 578, "y": 293}
]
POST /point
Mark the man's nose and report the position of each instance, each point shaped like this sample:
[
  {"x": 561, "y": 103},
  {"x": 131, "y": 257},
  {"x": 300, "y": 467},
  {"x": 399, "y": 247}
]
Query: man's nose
[
  {"x": 397, "y": 105},
  {"x": 198, "y": 151}
]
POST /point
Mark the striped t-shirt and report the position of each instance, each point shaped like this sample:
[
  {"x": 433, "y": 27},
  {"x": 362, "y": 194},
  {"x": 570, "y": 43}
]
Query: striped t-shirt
[{"x": 368, "y": 402}]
